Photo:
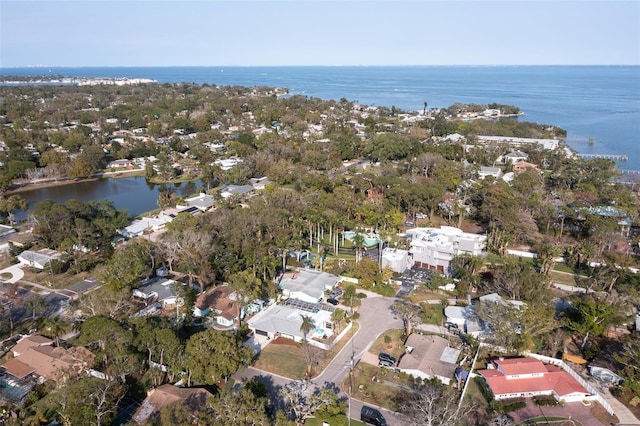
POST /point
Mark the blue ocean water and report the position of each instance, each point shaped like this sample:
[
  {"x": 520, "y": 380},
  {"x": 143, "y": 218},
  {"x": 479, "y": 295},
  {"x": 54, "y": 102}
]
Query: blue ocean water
[{"x": 602, "y": 102}]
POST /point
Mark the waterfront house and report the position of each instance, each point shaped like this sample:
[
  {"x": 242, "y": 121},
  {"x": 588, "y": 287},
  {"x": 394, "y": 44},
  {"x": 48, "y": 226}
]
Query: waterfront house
[
  {"x": 530, "y": 377},
  {"x": 550, "y": 144},
  {"x": 429, "y": 357}
]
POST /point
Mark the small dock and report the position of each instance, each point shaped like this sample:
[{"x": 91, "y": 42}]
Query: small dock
[
  {"x": 614, "y": 157},
  {"x": 590, "y": 141}
]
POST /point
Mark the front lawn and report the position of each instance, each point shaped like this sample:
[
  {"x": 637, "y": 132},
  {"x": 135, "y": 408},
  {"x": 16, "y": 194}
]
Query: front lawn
[
  {"x": 390, "y": 342},
  {"x": 333, "y": 421},
  {"x": 285, "y": 358},
  {"x": 377, "y": 386},
  {"x": 280, "y": 357}
]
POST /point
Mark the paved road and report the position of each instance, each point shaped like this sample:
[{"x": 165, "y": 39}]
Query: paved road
[{"x": 375, "y": 318}]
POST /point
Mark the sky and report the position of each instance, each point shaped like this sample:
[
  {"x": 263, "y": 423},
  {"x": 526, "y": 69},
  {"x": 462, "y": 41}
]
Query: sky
[{"x": 318, "y": 32}]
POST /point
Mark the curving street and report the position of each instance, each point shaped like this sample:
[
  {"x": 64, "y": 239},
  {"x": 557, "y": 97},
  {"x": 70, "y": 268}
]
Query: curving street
[{"x": 375, "y": 318}]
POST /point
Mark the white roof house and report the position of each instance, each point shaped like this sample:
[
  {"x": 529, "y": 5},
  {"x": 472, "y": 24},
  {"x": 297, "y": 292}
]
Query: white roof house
[
  {"x": 514, "y": 157},
  {"x": 228, "y": 163},
  {"x": 202, "y": 201},
  {"x": 435, "y": 248},
  {"x": 285, "y": 321},
  {"x": 307, "y": 285},
  {"x": 138, "y": 227},
  {"x": 38, "y": 259},
  {"x": 396, "y": 259},
  {"x": 545, "y": 143},
  {"x": 231, "y": 190},
  {"x": 486, "y": 171}
]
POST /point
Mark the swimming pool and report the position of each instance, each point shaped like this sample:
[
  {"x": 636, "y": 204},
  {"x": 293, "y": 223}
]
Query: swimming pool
[{"x": 368, "y": 241}]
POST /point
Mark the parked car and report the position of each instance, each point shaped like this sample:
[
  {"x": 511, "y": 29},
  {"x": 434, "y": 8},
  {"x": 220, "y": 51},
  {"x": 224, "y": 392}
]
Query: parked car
[
  {"x": 333, "y": 301},
  {"x": 386, "y": 360},
  {"x": 336, "y": 293},
  {"x": 372, "y": 416},
  {"x": 409, "y": 224}
]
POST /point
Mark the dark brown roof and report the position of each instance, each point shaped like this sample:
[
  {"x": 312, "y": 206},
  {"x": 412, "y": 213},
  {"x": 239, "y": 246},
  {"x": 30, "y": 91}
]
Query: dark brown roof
[{"x": 169, "y": 394}]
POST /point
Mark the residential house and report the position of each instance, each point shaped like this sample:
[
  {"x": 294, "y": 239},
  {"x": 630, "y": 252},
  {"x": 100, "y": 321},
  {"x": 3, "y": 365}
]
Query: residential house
[
  {"x": 6, "y": 230},
  {"x": 285, "y": 321},
  {"x": 36, "y": 355},
  {"x": 231, "y": 190},
  {"x": 622, "y": 218},
  {"x": 307, "y": 285},
  {"x": 604, "y": 366},
  {"x": 428, "y": 357},
  {"x": 164, "y": 395},
  {"x": 120, "y": 164},
  {"x": 435, "y": 248},
  {"x": 550, "y": 144},
  {"x": 159, "y": 290},
  {"x": 228, "y": 164},
  {"x": 529, "y": 377},
  {"x": 485, "y": 171},
  {"x": 521, "y": 166},
  {"x": 397, "y": 259},
  {"x": 140, "y": 226},
  {"x": 38, "y": 259},
  {"x": 202, "y": 201},
  {"x": 220, "y": 303},
  {"x": 466, "y": 319},
  {"x": 513, "y": 157},
  {"x": 259, "y": 183}
]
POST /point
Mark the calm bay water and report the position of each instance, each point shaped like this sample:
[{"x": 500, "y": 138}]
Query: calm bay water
[
  {"x": 133, "y": 194},
  {"x": 602, "y": 102}
]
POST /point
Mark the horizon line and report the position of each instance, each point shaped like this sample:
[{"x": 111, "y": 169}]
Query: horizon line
[{"x": 319, "y": 65}]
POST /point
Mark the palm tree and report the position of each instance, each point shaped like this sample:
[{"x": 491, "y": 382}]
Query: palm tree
[
  {"x": 306, "y": 326},
  {"x": 54, "y": 327},
  {"x": 424, "y": 111},
  {"x": 338, "y": 316}
]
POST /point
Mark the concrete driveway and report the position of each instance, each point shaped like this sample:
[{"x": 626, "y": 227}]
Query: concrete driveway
[{"x": 16, "y": 273}]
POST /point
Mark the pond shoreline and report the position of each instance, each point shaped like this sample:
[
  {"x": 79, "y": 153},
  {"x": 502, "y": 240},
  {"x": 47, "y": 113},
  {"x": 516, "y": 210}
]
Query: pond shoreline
[{"x": 48, "y": 183}]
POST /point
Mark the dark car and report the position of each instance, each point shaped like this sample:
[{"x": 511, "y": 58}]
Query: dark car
[
  {"x": 386, "y": 360},
  {"x": 372, "y": 416},
  {"x": 333, "y": 301}
]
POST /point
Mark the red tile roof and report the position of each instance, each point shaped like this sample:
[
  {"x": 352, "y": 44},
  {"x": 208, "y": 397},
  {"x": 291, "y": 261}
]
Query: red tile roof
[
  {"x": 17, "y": 368},
  {"x": 553, "y": 379},
  {"x": 519, "y": 366}
]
